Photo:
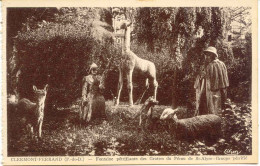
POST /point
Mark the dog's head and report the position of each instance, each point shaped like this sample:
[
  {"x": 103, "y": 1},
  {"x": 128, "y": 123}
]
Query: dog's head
[
  {"x": 169, "y": 113},
  {"x": 151, "y": 101}
]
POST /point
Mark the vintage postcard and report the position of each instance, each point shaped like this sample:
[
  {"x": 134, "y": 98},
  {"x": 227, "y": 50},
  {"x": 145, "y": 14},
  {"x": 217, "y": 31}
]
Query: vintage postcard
[{"x": 129, "y": 82}]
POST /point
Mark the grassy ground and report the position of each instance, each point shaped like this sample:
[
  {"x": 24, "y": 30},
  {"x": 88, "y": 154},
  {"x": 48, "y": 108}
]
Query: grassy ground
[{"x": 121, "y": 135}]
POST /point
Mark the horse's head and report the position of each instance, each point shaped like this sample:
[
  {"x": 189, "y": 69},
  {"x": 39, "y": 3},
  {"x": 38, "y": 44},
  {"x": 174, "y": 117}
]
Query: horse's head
[{"x": 124, "y": 24}]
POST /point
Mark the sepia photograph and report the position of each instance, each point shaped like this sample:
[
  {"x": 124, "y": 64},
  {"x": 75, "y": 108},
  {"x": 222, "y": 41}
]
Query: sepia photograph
[{"x": 129, "y": 81}]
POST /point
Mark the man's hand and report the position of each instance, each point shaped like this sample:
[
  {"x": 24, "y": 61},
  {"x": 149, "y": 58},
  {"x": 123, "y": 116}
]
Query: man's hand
[
  {"x": 202, "y": 74},
  {"x": 101, "y": 86},
  {"x": 84, "y": 98}
]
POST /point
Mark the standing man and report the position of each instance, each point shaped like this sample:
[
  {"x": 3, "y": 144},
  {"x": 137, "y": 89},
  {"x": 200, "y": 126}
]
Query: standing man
[{"x": 211, "y": 84}]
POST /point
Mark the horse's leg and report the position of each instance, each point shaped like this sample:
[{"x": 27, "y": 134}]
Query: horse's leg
[
  {"x": 152, "y": 73},
  {"x": 130, "y": 86},
  {"x": 155, "y": 84},
  {"x": 120, "y": 86},
  {"x": 40, "y": 128}
]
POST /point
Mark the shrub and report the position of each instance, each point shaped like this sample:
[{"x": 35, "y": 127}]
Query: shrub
[{"x": 58, "y": 54}]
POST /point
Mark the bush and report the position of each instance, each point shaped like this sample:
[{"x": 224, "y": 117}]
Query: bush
[
  {"x": 240, "y": 76},
  {"x": 58, "y": 54}
]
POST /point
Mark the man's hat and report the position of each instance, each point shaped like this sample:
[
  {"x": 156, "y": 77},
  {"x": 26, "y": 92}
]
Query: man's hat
[
  {"x": 212, "y": 50},
  {"x": 92, "y": 66}
]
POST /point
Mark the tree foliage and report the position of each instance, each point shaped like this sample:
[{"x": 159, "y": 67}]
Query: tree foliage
[
  {"x": 175, "y": 31},
  {"x": 56, "y": 45},
  {"x": 58, "y": 52}
]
